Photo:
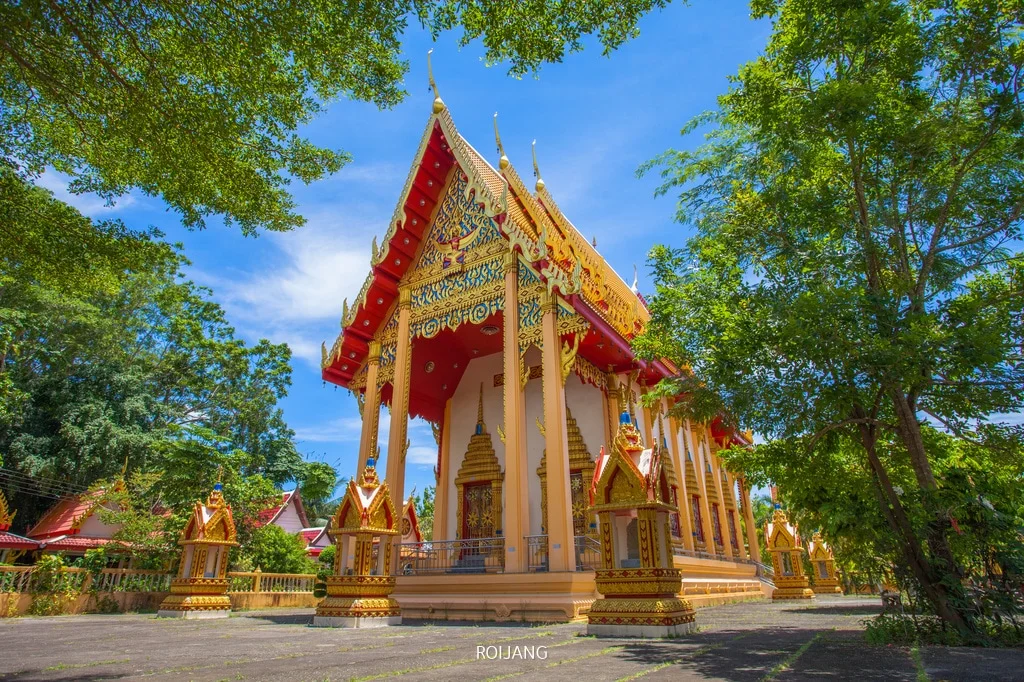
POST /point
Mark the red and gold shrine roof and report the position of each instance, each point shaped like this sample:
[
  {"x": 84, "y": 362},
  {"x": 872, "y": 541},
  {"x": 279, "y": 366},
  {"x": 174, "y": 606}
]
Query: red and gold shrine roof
[{"x": 553, "y": 253}]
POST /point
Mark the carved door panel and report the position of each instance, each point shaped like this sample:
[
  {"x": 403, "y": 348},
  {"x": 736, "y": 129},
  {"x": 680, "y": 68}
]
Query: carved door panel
[
  {"x": 477, "y": 511},
  {"x": 579, "y": 503}
]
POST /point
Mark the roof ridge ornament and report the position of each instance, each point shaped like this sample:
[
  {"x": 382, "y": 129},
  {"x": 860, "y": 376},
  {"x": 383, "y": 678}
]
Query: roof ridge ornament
[
  {"x": 438, "y": 102},
  {"x": 536, "y": 170},
  {"x": 503, "y": 162}
]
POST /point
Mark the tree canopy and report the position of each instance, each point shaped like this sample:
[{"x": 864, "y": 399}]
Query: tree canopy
[
  {"x": 201, "y": 103},
  {"x": 856, "y": 272}
]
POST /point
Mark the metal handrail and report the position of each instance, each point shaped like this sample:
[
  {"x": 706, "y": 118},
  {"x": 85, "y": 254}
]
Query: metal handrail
[{"x": 474, "y": 555}]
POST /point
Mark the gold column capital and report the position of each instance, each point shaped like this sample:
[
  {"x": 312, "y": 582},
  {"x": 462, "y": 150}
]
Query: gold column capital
[
  {"x": 374, "y": 355},
  {"x": 510, "y": 261},
  {"x": 404, "y": 297},
  {"x": 548, "y": 302}
]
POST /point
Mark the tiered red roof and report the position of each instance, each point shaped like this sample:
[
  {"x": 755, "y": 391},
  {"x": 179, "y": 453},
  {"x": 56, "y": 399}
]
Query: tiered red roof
[{"x": 270, "y": 514}]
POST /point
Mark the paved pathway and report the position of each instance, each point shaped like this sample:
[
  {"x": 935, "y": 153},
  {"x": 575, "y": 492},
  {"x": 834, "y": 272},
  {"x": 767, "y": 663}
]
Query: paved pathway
[{"x": 740, "y": 642}]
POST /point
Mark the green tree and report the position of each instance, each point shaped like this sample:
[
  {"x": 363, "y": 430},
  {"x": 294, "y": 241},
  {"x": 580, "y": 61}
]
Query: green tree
[
  {"x": 855, "y": 270},
  {"x": 272, "y": 549},
  {"x": 318, "y": 483},
  {"x": 201, "y": 104},
  {"x": 425, "y": 511},
  {"x": 136, "y": 366}
]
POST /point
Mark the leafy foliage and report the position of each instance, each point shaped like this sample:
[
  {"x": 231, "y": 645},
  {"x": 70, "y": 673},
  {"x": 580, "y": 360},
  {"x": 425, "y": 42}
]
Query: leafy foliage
[
  {"x": 201, "y": 104},
  {"x": 424, "y": 503},
  {"x": 272, "y": 549},
  {"x": 856, "y": 275}
]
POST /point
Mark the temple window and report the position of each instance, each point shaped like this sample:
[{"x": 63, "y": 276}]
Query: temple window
[
  {"x": 732, "y": 530},
  {"x": 698, "y": 521},
  {"x": 716, "y": 523},
  {"x": 822, "y": 569},
  {"x": 787, "y": 564}
]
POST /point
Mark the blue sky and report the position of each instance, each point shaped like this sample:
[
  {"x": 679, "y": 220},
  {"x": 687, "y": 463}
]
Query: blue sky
[{"x": 595, "y": 119}]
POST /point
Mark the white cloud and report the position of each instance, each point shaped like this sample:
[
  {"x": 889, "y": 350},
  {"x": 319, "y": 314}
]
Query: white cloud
[
  {"x": 296, "y": 297},
  {"x": 89, "y": 204},
  {"x": 345, "y": 429}
]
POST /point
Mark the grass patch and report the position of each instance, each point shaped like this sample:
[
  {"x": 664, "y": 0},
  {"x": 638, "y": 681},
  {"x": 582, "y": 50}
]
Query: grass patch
[
  {"x": 915, "y": 655},
  {"x": 791, "y": 659},
  {"x": 532, "y": 635},
  {"x": 592, "y": 654},
  {"x": 437, "y": 650},
  {"x": 682, "y": 659},
  {"x": 409, "y": 671},
  {"x": 72, "y": 666}
]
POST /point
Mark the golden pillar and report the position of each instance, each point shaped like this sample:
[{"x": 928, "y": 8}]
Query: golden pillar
[
  {"x": 517, "y": 510},
  {"x": 443, "y": 477},
  {"x": 741, "y": 551},
  {"x": 699, "y": 468},
  {"x": 398, "y": 437},
  {"x": 748, "y": 515},
  {"x": 612, "y": 399},
  {"x": 679, "y": 459},
  {"x": 716, "y": 475},
  {"x": 561, "y": 540},
  {"x": 648, "y": 418},
  {"x": 371, "y": 409}
]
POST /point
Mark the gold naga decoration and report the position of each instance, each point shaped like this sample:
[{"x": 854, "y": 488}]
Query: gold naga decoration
[
  {"x": 6, "y": 515},
  {"x": 568, "y": 356}
]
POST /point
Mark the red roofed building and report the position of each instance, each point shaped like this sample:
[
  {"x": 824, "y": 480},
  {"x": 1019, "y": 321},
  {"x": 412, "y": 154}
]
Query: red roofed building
[
  {"x": 288, "y": 513},
  {"x": 74, "y": 525},
  {"x": 317, "y": 539}
]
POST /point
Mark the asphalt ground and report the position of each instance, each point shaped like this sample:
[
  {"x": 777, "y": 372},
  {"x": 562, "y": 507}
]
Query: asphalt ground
[{"x": 784, "y": 641}]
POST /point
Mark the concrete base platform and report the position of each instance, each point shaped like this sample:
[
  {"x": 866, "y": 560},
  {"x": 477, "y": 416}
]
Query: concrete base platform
[
  {"x": 355, "y": 622},
  {"x": 194, "y": 615},
  {"x": 645, "y": 631},
  {"x": 500, "y": 597}
]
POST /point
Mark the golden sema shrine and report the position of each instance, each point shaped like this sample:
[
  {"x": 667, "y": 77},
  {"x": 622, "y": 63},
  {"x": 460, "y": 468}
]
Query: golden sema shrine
[{"x": 488, "y": 314}]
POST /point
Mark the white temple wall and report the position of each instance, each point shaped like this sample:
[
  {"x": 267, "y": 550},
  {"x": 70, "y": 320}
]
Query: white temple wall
[
  {"x": 93, "y": 527},
  {"x": 587, "y": 405},
  {"x": 463, "y": 422},
  {"x": 534, "y": 441},
  {"x": 289, "y": 519}
]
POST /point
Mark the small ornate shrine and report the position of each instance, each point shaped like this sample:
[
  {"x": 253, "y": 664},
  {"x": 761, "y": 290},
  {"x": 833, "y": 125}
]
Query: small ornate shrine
[
  {"x": 364, "y": 527},
  {"x": 787, "y": 558},
  {"x": 637, "y": 580},
  {"x": 826, "y": 581},
  {"x": 200, "y": 590}
]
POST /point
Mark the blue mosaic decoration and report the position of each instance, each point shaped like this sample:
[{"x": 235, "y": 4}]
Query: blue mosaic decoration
[{"x": 460, "y": 224}]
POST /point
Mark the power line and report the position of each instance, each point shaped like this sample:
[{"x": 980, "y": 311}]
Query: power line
[{"x": 38, "y": 486}]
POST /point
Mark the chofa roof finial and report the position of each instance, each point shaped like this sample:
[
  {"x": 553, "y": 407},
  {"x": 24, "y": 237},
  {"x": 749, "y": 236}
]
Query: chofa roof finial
[
  {"x": 536, "y": 170},
  {"x": 438, "y": 102},
  {"x": 503, "y": 161}
]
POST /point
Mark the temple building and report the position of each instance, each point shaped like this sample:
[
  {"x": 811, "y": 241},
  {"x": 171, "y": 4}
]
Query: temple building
[
  {"x": 489, "y": 315},
  {"x": 75, "y": 525}
]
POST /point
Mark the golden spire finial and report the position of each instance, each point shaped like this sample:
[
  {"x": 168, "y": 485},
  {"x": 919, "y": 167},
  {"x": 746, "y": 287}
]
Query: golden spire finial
[
  {"x": 503, "y": 161},
  {"x": 536, "y": 170},
  {"x": 438, "y": 102},
  {"x": 480, "y": 406}
]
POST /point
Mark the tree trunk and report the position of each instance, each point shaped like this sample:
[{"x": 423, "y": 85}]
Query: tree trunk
[
  {"x": 909, "y": 430},
  {"x": 896, "y": 516}
]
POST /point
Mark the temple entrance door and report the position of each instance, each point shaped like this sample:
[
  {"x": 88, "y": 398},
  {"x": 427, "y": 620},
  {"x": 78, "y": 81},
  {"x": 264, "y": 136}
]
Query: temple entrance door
[
  {"x": 477, "y": 514},
  {"x": 580, "y": 502}
]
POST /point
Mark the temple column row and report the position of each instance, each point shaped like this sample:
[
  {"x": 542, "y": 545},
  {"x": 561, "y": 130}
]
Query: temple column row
[
  {"x": 561, "y": 537},
  {"x": 398, "y": 436},
  {"x": 371, "y": 408},
  {"x": 517, "y": 508}
]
